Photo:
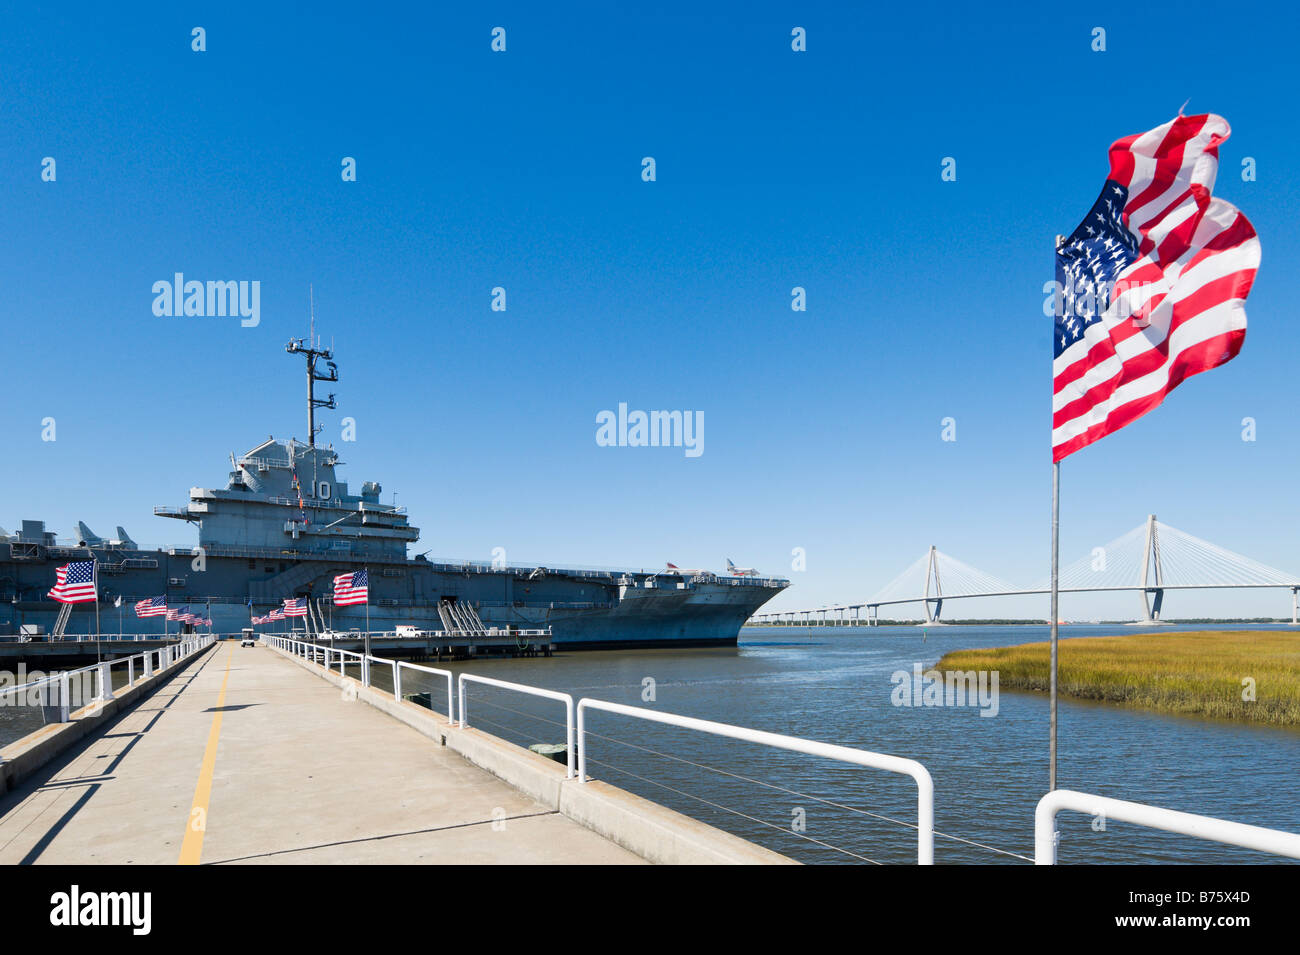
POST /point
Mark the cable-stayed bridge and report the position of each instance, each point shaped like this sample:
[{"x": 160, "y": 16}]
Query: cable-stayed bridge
[{"x": 1148, "y": 560}]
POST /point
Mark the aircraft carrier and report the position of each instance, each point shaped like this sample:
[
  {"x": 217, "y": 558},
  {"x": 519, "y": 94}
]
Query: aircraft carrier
[{"x": 285, "y": 524}]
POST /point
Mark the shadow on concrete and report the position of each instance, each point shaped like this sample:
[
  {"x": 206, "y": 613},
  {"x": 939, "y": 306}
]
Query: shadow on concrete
[
  {"x": 387, "y": 835},
  {"x": 180, "y": 683}
]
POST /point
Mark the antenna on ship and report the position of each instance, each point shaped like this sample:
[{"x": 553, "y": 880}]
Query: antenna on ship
[{"x": 314, "y": 354}]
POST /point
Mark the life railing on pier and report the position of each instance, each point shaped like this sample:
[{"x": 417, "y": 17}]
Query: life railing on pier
[
  {"x": 42, "y": 638},
  {"x": 1153, "y": 817},
  {"x": 324, "y": 655},
  {"x": 564, "y": 698},
  {"x": 163, "y": 656},
  {"x": 1203, "y": 827},
  {"x": 428, "y": 634},
  {"x": 861, "y": 757},
  {"x": 146, "y": 664}
]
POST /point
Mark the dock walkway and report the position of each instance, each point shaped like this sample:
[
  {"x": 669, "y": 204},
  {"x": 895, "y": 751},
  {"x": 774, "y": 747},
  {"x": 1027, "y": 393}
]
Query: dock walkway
[{"x": 276, "y": 766}]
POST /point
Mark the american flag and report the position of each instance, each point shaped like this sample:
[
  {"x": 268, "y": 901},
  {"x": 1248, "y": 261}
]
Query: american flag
[
  {"x": 173, "y": 613},
  {"x": 353, "y": 588},
  {"x": 295, "y": 606},
  {"x": 187, "y": 615},
  {"x": 151, "y": 607},
  {"x": 74, "y": 583},
  {"x": 276, "y": 614},
  {"x": 297, "y": 486},
  {"x": 1151, "y": 285}
]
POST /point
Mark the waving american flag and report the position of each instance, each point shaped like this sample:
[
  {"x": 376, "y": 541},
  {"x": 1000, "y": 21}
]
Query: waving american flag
[
  {"x": 1151, "y": 285},
  {"x": 151, "y": 607},
  {"x": 295, "y": 606},
  {"x": 351, "y": 588},
  {"x": 74, "y": 583}
]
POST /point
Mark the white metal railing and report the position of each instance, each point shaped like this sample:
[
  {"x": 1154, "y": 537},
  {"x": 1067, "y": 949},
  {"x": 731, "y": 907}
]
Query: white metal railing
[
  {"x": 429, "y": 634},
  {"x": 1154, "y": 817},
  {"x": 324, "y": 655},
  {"x": 147, "y": 664},
  {"x": 564, "y": 698},
  {"x": 97, "y": 637},
  {"x": 861, "y": 757},
  {"x": 1202, "y": 827},
  {"x": 397, "y": 681}
]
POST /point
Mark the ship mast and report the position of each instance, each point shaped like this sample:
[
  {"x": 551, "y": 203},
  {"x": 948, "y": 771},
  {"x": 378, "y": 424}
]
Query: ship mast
[{"x": 314, "y": 354}]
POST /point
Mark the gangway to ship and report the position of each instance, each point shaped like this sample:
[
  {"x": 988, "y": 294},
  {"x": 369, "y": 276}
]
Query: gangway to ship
[
  {"x": 460, "y": 618},
  {"x": 61, "y": 623}
]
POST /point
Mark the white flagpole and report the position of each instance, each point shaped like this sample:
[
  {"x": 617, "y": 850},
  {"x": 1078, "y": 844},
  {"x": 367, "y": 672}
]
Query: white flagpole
[
  {"x": 1056, "y": 553},
  {"x": 94, "y": 572},
  {"x": 1056, "y": 615}
]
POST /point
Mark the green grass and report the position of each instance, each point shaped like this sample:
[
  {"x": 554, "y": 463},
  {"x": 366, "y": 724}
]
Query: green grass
[{"x": 1197, "y": 674}]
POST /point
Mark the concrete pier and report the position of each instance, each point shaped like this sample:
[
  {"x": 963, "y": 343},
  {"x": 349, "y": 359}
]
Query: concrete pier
[{"x": 246, "y": 757}]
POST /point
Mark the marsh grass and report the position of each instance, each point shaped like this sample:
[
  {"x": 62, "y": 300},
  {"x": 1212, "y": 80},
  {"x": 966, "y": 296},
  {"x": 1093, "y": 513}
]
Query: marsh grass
[{"x": 1199, "y": 673}]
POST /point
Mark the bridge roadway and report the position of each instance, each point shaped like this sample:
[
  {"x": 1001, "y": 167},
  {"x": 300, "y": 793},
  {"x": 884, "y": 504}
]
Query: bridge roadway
[{"x": 283, "y": 769}]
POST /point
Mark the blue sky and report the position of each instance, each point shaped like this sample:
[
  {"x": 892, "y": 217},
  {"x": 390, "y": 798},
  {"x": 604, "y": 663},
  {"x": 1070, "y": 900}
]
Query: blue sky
[{"x": 522, "y": 169}]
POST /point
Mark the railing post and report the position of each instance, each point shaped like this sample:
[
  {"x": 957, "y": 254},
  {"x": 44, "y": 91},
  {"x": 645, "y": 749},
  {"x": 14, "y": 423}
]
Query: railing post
[
  {"x": 148, "y": 663},
  {"x": 397, "y": 681},
  {"x": 582, "y": 742},
  {"x": 105, "y": 682},
  {"x": 568, "y": 727},
  {"x": 65, "y": 698},
  {"x": 1155, "y": 817},
  {"x": 130, "y": 671}
]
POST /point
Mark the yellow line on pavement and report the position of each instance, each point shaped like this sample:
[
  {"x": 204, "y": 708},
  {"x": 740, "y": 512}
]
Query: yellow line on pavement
[{"x": 197, "y": 824}]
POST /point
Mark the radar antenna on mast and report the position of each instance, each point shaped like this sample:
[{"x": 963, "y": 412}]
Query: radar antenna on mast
[{"x": 313, "y": 354}]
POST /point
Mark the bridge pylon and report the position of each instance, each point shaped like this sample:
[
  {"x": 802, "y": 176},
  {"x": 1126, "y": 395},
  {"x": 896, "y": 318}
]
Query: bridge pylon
[
  {"x": 1152, "y": 579},
  {"x": 932, "y": 573}
]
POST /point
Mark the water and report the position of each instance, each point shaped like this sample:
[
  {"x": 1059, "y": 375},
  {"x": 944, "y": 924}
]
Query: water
[{"x": 834, "y": 685}]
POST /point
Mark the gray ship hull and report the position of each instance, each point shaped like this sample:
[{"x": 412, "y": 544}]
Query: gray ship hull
[{"x": 583, "y": 609}]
